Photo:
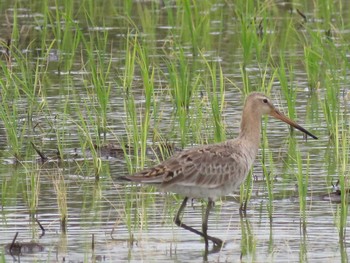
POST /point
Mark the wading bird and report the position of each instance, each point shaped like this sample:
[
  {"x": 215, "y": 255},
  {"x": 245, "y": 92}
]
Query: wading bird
[{"x": 214, "y": 170}]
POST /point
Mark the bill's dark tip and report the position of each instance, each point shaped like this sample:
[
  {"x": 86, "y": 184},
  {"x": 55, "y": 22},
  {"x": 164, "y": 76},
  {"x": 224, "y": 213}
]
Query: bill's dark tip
[{"x": 311, "y": 135}]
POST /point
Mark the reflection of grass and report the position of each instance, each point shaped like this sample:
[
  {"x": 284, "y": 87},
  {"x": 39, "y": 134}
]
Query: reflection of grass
[
  {"x": 61, "y": 197},
  {"x": 137, "y": 201},
  {"x": 342, "y": 136},
  {"x": 248, "y": 240},
  {"x": 302, "y": 184},
  {"x": 33, "y": 192}
]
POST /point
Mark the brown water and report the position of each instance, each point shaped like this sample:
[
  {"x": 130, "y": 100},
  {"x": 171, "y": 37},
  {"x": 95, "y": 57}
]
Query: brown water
[{"x": 97, "y": 209}]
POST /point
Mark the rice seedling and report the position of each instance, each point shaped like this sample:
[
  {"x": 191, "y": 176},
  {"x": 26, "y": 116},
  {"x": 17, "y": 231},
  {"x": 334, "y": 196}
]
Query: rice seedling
[
  {"x": 183, "y": 84},
  {"x": 248, "y": 36},
  {"x": 10, "y": 187},
  {"x": 289, "y": 92},
  {"x": 9, "y": 116},
  {"x": 88, "y": 140},
  {"x": 253, "y": 29},
  {"x": 147, "y": 74},
  {"x": 196, "y": 18},
  {"x": 138, "y": 116},
  {"x": 127, "y": 8},
  {"x": 268, "y": 170},
  {"x": 330, "y": 105},
  {"x": 128, "y": 73},
  {"x": 149, "y": 22},
  {"x": 99, "y": 67},
  {"x": 181, "y": 74},
  {"x": 13, "y": 86},
  {"x": 216, "y": 96},
  {"x": 326, "y": 10},
  {"x": 312, "y": 64}
]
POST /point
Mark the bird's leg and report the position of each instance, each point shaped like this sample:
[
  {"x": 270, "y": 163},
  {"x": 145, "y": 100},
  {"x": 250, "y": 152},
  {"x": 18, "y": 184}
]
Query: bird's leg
[
  {"x": 178, "y": 222},
  {"x": 243, "y": 209},
  {"x": 217, "y": 242},
  {"x": 177, "y": 219},
  {"x": 205, "y": 223}
]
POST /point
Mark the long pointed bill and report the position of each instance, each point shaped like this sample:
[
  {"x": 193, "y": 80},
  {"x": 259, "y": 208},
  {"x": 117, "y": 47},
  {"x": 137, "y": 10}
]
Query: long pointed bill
[{"x": 275, "y": 113}]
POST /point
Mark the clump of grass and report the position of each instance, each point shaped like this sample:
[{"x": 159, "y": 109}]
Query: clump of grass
[
  {"x": 13, "y": 130},
  {"x": 149, "y": 19},
  {"x": 87, "y": 142},
  {"x": 138, "y": 117},
  {"x": 216, "y": 96},
  {"x": 312, "y": 65},
  {"x": 99, "y": 66},
  {"x": 180, "y": 73},
  {"x": 331, "y": 104},
  {"x": 195, "y": 23},
  {"x": 268, "y": 171},
  {"x": 147, "y": 74},
  {"x": 255, "y": 41},
  {"x": 183, "y": 84},
  {"x": 285, "y": 78}
]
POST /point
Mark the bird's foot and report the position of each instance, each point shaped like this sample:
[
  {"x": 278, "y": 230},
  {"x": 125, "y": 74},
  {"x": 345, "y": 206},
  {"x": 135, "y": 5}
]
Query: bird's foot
[{"x": 216, "y": 241}]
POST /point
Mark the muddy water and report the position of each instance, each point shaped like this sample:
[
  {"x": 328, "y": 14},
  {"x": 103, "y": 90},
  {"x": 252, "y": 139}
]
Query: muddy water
[{"x": 111, "y": 221}]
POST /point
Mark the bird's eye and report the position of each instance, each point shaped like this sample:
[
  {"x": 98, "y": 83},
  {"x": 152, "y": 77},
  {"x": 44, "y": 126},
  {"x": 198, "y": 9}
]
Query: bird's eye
[{"x": 265, "y": 100}]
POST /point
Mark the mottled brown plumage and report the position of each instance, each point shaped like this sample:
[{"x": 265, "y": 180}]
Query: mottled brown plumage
[{"x": 214, "y": 170}]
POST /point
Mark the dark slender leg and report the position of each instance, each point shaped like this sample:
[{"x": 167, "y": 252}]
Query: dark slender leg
[
  {"x": 177, "y": 220},
  {"x": 216, "y": 241},
  {"x": 205, "y": 223},
  {"x": 243, "y": 209}
]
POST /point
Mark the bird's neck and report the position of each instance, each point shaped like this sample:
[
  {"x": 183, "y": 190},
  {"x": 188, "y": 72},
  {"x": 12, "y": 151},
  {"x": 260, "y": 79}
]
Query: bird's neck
[{"x": 250, "y": 128}]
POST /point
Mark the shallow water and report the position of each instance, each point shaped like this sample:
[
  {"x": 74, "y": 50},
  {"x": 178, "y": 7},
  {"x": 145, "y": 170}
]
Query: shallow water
[{"x": 134, "y": 223}]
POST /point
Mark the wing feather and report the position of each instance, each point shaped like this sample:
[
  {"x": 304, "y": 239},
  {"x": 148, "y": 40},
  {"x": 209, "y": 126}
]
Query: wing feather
[{"x": 209, "y": 166}]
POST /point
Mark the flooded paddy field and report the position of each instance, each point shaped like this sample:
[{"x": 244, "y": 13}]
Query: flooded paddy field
[{"x": 92, "y": 91}]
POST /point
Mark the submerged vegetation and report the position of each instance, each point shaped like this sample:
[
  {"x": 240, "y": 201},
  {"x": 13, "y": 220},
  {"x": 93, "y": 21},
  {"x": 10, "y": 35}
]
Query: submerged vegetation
[{"x": 95, "y": 83}]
